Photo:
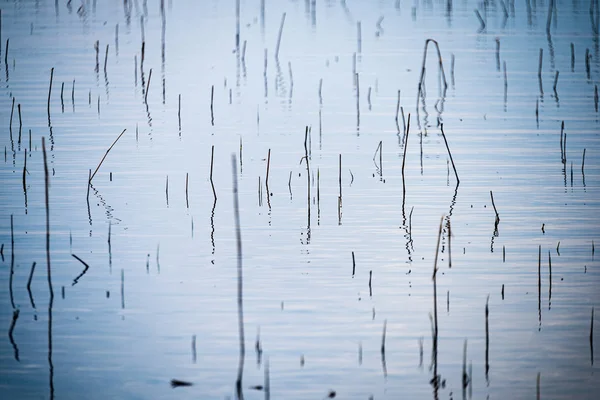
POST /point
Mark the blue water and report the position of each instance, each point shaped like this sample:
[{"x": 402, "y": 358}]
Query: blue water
[{"x": 319, "y": 326}]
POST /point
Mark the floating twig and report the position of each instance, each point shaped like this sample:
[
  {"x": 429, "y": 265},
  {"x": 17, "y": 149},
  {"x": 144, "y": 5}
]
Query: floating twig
[{"x": 175, "y": 383}]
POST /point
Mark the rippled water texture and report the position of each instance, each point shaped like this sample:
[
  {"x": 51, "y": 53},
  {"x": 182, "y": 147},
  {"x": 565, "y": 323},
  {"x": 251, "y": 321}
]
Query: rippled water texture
[{"x": 339, "y": 208}]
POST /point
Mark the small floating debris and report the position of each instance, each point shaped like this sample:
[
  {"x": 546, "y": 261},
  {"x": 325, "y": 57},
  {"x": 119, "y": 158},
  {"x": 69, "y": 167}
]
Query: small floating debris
[{"x": 177, "y": 383}]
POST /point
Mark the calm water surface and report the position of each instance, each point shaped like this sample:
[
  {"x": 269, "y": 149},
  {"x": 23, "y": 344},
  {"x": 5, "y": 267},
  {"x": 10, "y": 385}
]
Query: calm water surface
[{"x": 159, "y": 299}]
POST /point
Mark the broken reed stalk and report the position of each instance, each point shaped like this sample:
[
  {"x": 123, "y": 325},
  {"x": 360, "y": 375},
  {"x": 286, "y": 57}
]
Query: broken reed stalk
[
  {"x": 583, "y": 162},
  {"x": 357, "y": 81},
  {"x": 378, "y": 149},
  {"x": 383, "y": 336},
  {"x": 97, "y": 49},
  {"x": 12, "y": 262},
  {"x": 487, "y": 338},
  {"x": 540, "y": 284},
  {"x": 449, "y": 244},
  {"x": 25, "y": 173},
  {"x": 12, "y": 111},
  {"x": 551, "y": 7},
  {"x": 212, "y": 156},
  {"x": 435, "y": 318},
  {"x": 148, "y": 87},
  {"x": 241, "y": 155},
  {"x": 353, "y": 265},
  {"x": 167, "y": 190},
  {"x": 440, "y": 64},
  {"x": 267, "y": 381},
  {"x": 481, "y": 21},
  {"x": 105, "y": 154},
  {"x": 49, "y": 269},
  {"x": 498, "y": 52},
  {"x": 358, "y": 37},
  {"x": 381, "y": 158},
  {"x": 122, "y": 288},
  {"x": 555, "y": 83},
  {"x": 320, "y": 91},
  {"x": 592, "y": 337},
  {"x": 494, "y": 205},
  {"x": 212, "y": 96},
  {"x": 541, "y": 58},
  {"x": 179, "y": 113},
  {"x": 85, "y": 269},
  {"x": 20, "y": 121},
  {"x": 238, "y": 237},
  {"x": 465, "y": 377},
  {"x": 449, "y": 154},
  {"x": 268, "y": 167},
  {"x": 279, "y": 37},
  {"x": 187, "y": 203},
  {"x": 587, "y": 62},
  {"x": 105, "y": 59},
  {"x": 562, "y": 153},
  {"x": 505, "y": 83},
  {"x": 397, "y": 111},
  {"x": 29, "y": 283},
  {"x": 50, "y": 90},
  {"x": 452, "y": 69},
  {"x": 404, "y": 159},
  {"x": 549, "y": 280},
  {"x": 340, "y": 177}
]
